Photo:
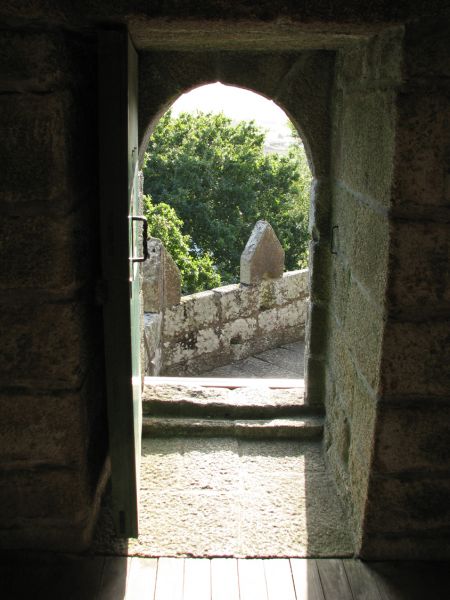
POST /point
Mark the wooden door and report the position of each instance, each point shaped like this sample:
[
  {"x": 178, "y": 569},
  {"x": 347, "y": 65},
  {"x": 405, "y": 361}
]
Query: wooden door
[{"x": 118, "y": 146}]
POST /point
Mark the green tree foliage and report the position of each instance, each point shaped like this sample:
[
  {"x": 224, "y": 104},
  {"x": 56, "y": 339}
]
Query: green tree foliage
[
  {"x": 197, "y": 272},
  {"x": 217, "y": 177}
]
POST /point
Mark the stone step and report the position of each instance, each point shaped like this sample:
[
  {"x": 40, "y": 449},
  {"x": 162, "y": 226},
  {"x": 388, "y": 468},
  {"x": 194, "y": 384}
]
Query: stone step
[
  {"x": 305, "y": 428},
  {"x": 222, "y": 403}
]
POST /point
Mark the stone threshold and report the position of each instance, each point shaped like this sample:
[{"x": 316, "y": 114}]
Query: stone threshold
[
  {"x": 185, "y": 407},
  {"x": 295, "y": 428},
  {"x": 227, "y": 382}
]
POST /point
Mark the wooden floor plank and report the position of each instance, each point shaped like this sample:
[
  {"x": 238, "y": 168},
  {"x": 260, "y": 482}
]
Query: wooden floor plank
[
  {"x": 141, "y": 581},
  {"x": 334, "y": 579},
  {"x": 412, "y": 580},
  {"x": 197, "y": 579},
  {"x": 362, "y": 583},
  {"x": 279, "y": 579},
  {"x": 224, "y": 579},
  {"x": 74, "y": 579},
  {"x": 169, "y": 579},
  {"x": 306, "y": 579},
  {"x": 252, "y": 581},
  {"x": 114, "y": 578}
]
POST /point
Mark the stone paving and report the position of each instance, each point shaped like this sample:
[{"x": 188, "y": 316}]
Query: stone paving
[
  {"x": 228, "y": 497},
  {"x": 286, "y": 361},
  {"x": 225, "y": 496}
]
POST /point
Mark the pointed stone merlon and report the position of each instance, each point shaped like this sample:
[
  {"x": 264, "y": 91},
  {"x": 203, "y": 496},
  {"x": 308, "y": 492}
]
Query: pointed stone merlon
[
  {"x": 263, "y": 256},
  {"x": 161, "y": 285}
]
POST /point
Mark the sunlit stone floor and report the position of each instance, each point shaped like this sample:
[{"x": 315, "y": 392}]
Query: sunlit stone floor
[{"x": 227, "y": 497}]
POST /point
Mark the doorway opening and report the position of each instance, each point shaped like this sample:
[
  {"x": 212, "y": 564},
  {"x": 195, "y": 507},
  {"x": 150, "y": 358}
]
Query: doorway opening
[
  {"x": 221, "y": 293},
  {"x": 231, "y": 483}
]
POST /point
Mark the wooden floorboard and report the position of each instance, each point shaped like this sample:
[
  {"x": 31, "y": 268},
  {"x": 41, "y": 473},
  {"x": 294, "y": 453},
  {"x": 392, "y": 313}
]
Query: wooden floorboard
[
  {"x": 361, "y": 580},
  {"x": 170, "y": 579},
  {"x": 252, "y": 580},
  {"x": 224, "y": 579},
  {"x": 141, "y": 582},
  {"x": 306, "y": 579},
  {"x": 134, "y": 578},
  {"x": 279, "y": 580},
  {"x": 197, "y": 579},
  {"x": 334, "y": 579}
]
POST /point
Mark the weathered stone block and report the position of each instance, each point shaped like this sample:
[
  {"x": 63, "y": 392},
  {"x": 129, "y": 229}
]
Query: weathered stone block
[
  {"x": 43, "y": 428},
  {"x": 363, "y": 160},
  {"x": 236, "y": 301},
  {"x": 238, "y": 331},
  {"x": 195, "y": 312},
  {"x": 319, "y": 208},
  {"x": 42, "y": 493},
  {"x": 413, "y": 438},
  {"x": 362, "y": 335},
  {"x": 421, "y": 152},
  {"x": 55, "y": 252},
  {"x": 161, "y": 283},
  {"x": 204, "y": 309},
  {"x": 426, "y": 51},
  {"x": 263, "y": 255},
  {"x": 153, "y": 277},
  {"x": 416, "y": 359},
  {"x": 363, "y": 241},
  {"x": 153, "y": 342},
  {"x": 292, "y": 286},
  {"x": 45, "y": 129},
  {"x": 31, "y": 61},
  {"x": 319, "y": 270},
  {"x": 46, "y": 345},
  {"x": 419, "y": 277},
  {"x": 400, "y": 505},
  {"x": 318, "y": 330}
]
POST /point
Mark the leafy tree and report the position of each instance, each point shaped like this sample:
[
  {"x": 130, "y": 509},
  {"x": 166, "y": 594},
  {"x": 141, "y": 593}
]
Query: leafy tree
[
  {"x": 197, "y": 272},
  {"x": 219, "y": 180}
]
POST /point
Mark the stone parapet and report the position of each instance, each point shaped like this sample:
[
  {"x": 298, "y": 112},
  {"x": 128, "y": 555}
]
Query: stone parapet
[{"x": 213, "y": 328}]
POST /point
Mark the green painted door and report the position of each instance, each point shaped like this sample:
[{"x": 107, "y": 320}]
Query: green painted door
[{"x": 118, "y": 146}]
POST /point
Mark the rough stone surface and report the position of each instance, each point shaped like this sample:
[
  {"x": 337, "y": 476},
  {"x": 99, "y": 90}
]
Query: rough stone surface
[
  {"x": 44, "y": 345},
  {"x": 428, "y": 426},
  {"x": 208, "y": 329},
  {"x": 48, "y": 153},
  {"x": 152, "y": 341},
  {"x": 263, "y": 255},
  {"x": 161, "y": 284},
  {"x": 223, "y": 497},
  {"x": 289, "y": 428}
]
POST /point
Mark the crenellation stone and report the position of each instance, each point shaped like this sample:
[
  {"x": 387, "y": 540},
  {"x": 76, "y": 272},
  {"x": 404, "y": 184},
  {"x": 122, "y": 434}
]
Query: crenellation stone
[
  {"x": 161, "y": 284},
  {"x": 263, "y": 255},
  {"x": 152, "y": 341}
]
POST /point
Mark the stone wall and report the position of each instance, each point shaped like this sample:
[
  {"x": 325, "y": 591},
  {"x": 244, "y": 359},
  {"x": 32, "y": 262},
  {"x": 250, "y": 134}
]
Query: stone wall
[
  {"x": 408, "y": 505},
  {"x": 213, "y": 328},
  {"x": 53, "y": 438},
  {"x": 363, "y": 146},
  {"x": 387, "y": 380},
  {"x": 387, "y": 431}
]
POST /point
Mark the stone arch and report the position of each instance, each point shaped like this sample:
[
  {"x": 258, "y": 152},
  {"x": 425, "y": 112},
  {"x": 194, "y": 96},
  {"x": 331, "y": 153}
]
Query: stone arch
[{"x": 300, "y": 83}]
